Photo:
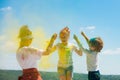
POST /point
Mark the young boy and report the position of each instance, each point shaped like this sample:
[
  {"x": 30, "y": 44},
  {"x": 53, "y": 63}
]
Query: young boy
[
  {"x": 65, "y": 49},
  {"x": 95, "y": 46}
]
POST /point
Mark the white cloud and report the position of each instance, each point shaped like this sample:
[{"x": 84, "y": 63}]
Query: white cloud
[
  {"x": 6, "y": 8},
  {"x": 82, "y": 28},
  {"x": 90, "y": 27},
  {"x": 112, "y": 51}
]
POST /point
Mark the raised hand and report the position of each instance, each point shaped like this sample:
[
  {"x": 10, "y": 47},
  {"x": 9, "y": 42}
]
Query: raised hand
[
  {"x": 54, "y": 36},
  {"x": 86, "y": 38},
  {"x": 83, "y": 34},
  {"x": 76, "y": 39}
]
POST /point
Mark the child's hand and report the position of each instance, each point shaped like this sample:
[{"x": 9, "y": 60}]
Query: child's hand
[
  {"x": 82, "y": 33},
  {"x": 76, "y": 39},
  {"x": 54, "y": 36}
]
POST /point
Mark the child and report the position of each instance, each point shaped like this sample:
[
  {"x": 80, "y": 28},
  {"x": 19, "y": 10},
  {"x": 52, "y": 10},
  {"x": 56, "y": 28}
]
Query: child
[
  {"x": 65, "y": 49},
  {"x": 27, "y": 56},
  {"x": 95, "y": 46}
]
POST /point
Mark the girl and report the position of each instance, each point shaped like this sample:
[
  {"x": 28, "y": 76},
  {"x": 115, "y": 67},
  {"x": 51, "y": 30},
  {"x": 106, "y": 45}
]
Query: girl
[
  {"x": 28, "y": 56},
  {"x": 65, "y": 49}
]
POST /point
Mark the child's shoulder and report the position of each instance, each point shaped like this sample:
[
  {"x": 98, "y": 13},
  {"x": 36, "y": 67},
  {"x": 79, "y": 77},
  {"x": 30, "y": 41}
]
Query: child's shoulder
[
  {"x": 71, "y": 44},
  {"x": 28, "y": 49}
]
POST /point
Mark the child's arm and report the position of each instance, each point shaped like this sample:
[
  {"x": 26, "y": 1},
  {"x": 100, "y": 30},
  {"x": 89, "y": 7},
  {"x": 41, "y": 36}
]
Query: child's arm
[
  {"x": 80, "y": 45},
  {"x": 76, "y": 39},
  {"x": 53, "y": 38},
  {"x": 79, "y": 52},
  {"x": 86, "y": 38},
  {"x": 50, "y": 47}
]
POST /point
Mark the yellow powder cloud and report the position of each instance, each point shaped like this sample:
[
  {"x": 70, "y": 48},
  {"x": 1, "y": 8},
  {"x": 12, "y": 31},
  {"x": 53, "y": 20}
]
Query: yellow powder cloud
[
  {"x": 41, "y": 41},
  {"x": 10, "y": 42}
]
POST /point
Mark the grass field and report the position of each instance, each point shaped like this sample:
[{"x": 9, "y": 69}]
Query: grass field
[{"x": 13, "y": 75}]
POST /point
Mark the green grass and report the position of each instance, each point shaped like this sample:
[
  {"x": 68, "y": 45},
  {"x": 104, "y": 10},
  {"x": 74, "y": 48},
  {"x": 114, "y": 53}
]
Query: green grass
[{"x": 13, "y": 75}]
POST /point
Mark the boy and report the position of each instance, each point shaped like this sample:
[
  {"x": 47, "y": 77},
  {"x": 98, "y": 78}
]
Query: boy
[{"x": 95, "y": 46}]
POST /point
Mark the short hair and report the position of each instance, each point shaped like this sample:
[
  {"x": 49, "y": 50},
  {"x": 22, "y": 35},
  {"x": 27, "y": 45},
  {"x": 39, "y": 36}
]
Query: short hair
[
  {"x": 65, "y": 30},
  {"x": 97, "y": 43}
]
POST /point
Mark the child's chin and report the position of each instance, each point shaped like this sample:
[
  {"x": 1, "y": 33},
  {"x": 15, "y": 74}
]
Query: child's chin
[{"x": 64, "y": 40}]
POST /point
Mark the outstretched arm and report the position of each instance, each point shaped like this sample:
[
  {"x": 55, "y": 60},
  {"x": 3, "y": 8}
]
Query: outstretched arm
[
  {"x": 79, "y": 52},
  {"x": 50, "y": 47},
  {"x": 53, "y": 38},
  {"x": 76, "y": 39},
  {"x": 86, "y": 38},
  {"x": 80, "y": 45}
]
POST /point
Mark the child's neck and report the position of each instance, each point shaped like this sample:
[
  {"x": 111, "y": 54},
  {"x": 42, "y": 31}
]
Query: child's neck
[
  {"x": 23, "y": 45},
  {"x": 64, "y": 43}
]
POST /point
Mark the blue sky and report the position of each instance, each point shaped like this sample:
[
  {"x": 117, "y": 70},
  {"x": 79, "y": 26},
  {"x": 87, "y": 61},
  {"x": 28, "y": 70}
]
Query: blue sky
[{"x": 45, "y": 17}]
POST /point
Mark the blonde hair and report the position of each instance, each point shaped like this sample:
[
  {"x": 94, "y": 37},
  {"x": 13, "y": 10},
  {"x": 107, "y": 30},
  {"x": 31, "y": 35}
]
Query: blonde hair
[
  {"x": 65, "y": 30},
  {"x": 25, "y": 33}
]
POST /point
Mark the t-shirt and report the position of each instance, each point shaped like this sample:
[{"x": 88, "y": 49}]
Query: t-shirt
[
  {"x": 92, "y": 59},
  {"x": 65, "y": 54},
  {"x": 27, "y": 57}
]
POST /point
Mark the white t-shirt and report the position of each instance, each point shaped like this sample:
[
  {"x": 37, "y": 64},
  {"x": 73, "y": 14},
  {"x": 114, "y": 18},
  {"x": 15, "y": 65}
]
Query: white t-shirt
[
  {"x": 27, "y": 57},
  {"x": 92, "y": 59}
]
